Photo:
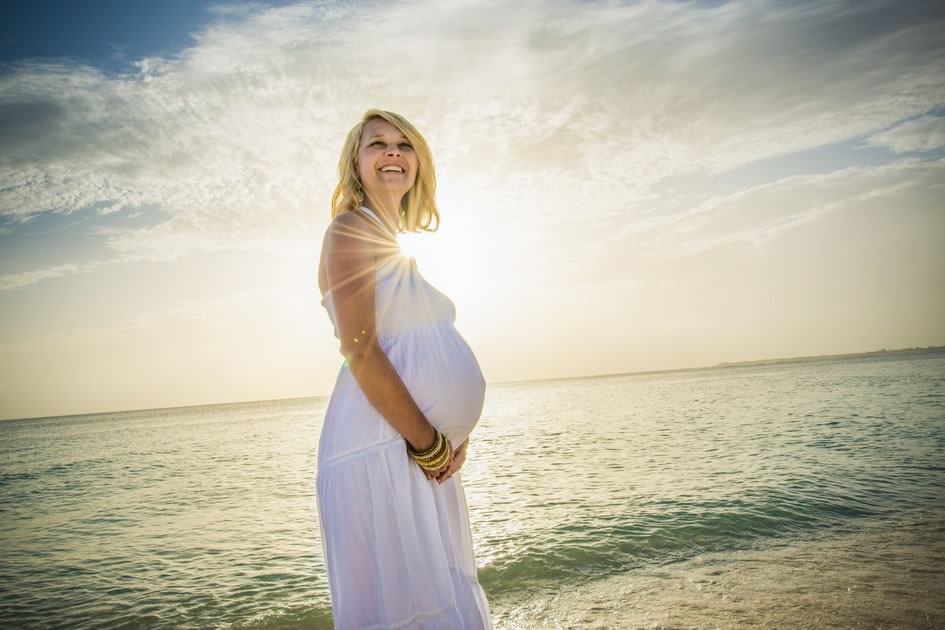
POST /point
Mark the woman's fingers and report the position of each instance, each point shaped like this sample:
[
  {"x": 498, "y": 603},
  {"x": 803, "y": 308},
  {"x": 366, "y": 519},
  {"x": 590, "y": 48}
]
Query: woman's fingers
[
  {"x": 446, "y": 467},
  {"x": 459, "y": 456},
  {"x": 442, "y": 471},
  {"x": 435, "y": 474},
  {"x": 446, "y": 474}
]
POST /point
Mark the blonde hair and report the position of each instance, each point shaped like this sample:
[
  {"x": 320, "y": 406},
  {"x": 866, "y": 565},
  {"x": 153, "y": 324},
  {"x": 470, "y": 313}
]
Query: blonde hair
[{"x": 418, "y": 207}]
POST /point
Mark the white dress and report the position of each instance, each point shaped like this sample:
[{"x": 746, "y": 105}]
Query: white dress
[{"x": 397, "y": 546}]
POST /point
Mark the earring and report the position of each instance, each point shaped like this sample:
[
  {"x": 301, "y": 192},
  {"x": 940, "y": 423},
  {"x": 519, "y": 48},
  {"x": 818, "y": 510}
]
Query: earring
[{"x": 360, "y": 192}]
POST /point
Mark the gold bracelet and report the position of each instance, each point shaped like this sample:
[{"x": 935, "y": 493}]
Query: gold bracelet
[
  {"x": 433, "y": 456},
  {"x": 437, "y": 445},
  {"x": 438, "y": 463}
]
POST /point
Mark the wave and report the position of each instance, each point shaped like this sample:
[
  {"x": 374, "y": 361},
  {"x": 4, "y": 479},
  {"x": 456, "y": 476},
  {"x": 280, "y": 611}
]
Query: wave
[{"x": 598, "y": 548}]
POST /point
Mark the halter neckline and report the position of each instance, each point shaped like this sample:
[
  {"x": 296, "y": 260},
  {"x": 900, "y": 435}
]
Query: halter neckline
[{"x": 376, "y": 218}]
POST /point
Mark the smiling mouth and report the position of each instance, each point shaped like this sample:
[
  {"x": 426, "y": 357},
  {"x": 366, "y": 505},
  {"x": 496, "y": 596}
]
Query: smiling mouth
[{"x": 391, "y": 169}]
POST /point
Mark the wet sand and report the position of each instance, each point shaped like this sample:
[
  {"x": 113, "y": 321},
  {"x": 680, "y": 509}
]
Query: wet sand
[{"x": 882, "y": 576}]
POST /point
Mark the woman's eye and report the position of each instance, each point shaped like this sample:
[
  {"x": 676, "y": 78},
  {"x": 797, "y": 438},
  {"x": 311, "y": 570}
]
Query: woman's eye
[{"x": 404, "y": 146}]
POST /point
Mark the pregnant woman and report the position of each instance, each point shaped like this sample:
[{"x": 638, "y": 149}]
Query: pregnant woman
[{"x": 393, "y": 517}]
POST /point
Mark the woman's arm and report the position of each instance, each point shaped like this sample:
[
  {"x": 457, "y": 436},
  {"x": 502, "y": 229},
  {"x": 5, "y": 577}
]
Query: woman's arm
[{"x": 352, "y": 247}]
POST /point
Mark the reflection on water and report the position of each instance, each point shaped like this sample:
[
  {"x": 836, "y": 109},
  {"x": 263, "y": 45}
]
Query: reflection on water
[
  {"x": 588, "y": 477},
  {"x": 681, "y": 499},
  {"x": 874, "y": 577}
]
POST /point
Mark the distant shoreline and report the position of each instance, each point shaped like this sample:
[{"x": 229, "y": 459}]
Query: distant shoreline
[
  {"x": 728, "y": 364},
  {"x": 725, "y": 364},
  {"x": 821, "y": 357}
]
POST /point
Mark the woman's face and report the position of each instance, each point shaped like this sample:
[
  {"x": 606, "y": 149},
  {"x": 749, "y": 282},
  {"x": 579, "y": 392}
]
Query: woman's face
[{"x": 387, "y": 163}]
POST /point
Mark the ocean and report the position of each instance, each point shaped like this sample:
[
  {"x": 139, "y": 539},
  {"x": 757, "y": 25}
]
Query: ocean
[{"x": 807, "y": 494}]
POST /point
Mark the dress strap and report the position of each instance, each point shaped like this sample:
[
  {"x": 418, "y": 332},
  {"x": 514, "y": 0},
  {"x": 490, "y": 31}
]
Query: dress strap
[{"x": 375, "y": 217}]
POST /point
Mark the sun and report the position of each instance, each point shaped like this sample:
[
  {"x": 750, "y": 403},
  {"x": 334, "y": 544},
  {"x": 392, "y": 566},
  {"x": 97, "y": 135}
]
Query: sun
[
  {"x": 419, "y": 246},
  {"x": 457, "y": 259}
]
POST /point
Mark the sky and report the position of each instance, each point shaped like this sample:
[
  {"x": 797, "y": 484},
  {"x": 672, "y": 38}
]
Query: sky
[{"x": 624, "y": 186}]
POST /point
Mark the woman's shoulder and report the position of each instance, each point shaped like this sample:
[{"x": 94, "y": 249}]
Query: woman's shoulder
[
  {"x": 347, "y": 219},
  {"x": 353, "y": 233},
  {"x": 347, "y": 225}
]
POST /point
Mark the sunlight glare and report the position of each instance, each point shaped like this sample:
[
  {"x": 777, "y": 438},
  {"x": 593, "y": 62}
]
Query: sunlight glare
[
  {"x": 459, "y": 259},
  {"x": 416, "y": 245}
]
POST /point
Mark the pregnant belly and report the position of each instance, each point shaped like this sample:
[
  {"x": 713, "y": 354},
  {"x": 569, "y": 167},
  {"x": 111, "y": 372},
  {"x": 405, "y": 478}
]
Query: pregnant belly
[{"x": 443, "y": 376}]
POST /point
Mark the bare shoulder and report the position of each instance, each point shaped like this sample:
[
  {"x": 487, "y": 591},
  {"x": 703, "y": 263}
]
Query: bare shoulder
[
  {"x": 347, "y": 221},
  {"x": 352, "y": 229},
  {"x": 344, "y": 244},
  {"x": 349, "y": 250}
]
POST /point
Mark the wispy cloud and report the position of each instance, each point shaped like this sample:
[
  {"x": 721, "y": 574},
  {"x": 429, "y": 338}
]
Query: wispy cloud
[
  {"x": 16, "y": 280},
  {"x": 559, "y": 104},
  {"x": 624, "y": 185},
  {"x": 922, "y": 134},
  {"x": 755, "y": 216}
]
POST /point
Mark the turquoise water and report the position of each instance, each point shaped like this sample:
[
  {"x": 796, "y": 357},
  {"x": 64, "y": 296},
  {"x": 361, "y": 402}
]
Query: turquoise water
[{"x": 204, "y": 517}]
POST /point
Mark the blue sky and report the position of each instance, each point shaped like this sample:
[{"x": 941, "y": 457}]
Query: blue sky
[
  {"x": 105, "y": 34},
  {"x": 624, "y": 186}
]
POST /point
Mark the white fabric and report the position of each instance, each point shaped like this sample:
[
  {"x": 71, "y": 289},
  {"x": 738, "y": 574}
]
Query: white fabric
[{"x": 398, "y": 547}]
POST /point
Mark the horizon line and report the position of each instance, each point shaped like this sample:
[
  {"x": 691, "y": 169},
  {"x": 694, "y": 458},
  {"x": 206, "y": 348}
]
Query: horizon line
[{"x": 723, "y": 364}]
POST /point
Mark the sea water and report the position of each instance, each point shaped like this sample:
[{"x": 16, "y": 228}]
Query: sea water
[{"x": 787, "y": 494}]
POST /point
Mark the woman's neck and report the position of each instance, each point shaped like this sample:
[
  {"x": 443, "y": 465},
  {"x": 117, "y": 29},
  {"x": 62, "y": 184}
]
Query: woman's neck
[{"x": 389, "y": 213}]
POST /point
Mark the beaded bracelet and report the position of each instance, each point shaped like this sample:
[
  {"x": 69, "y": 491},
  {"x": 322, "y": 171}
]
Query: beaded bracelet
[
  {"x": 437, "y": 463},
  {"x": 436, "y": 456},
  {"x": 437, "y": 445}
]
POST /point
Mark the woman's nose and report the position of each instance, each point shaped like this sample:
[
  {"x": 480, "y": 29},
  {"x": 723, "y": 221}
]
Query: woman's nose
[{"x": 393, "y": 149}]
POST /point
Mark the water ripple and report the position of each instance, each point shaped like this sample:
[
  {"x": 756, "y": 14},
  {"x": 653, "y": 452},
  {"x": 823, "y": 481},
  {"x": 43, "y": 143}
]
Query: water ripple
[{"x": 204, "y": 517}]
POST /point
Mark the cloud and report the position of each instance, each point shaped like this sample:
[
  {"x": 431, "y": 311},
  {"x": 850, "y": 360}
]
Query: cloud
[
  {"x": 922, "y": 134},
  {"x": 540, "y": 107},
  {"x": 757, "y": 215},
  {"x": 16, "y": 280}
]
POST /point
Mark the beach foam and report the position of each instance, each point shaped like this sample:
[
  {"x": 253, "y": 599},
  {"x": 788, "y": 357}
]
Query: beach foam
[{"x": 888, "y": 574}]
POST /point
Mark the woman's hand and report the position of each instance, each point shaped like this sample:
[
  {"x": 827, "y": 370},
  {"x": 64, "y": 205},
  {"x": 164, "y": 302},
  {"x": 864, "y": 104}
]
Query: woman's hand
[
  {"x": 433, "y": 474},
  {"x": 459, "y": 456}
]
